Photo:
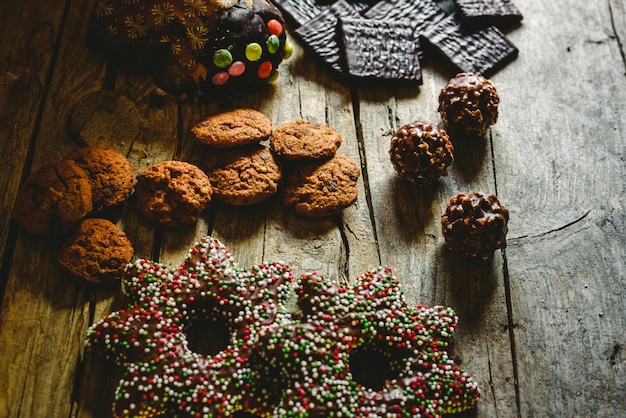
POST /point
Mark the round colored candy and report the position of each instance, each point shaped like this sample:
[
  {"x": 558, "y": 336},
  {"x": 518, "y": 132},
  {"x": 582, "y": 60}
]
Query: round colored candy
[
  {"x": 254, "y": 51},
  {"x": 220, "y": 78},
  {"x": 265, "y": 69},
  {"x": 237, "y": 68},
  {"x": 273, "y": 43},
  {"x": 222, "y": 58},
  {"x": 274, "y": 27},
  {"x": 288, "y": 50}
]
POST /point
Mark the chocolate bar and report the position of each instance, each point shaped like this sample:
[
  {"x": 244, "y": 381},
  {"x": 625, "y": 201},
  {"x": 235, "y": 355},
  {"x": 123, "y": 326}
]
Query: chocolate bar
[
  {"x": 481, "y": 51},
  {"x": 482, "y": 13},
  {"x": 319, "y": 33},
  {"x": 380, "y": 49}
]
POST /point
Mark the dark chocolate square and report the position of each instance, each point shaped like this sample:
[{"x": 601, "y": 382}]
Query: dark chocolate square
[
  {"x": 481, "y": 13},
  {"x": 298, "y": 12},
  {"x": 319, "y": 33},
  {"x": 482, "y": 51},
  {"x": 380, "y": 49},
  {"x": 422, "y": 13}
]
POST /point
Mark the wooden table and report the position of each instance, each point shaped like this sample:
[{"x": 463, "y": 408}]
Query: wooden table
[{"x": 542, "y": 325}]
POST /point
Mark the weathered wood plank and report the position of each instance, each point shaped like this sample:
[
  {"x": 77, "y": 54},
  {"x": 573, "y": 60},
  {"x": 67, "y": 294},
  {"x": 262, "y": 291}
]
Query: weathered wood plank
[
  {"x": 24, "y": 65},
  {"x": 560, "y": 165}
]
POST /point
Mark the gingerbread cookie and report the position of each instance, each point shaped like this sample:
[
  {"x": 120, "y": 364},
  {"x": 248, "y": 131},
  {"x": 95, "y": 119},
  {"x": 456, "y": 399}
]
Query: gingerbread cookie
[
  {"x": 96, "y": 253},
  {"x": 232, "y": 128},
  {"x": 110, "y": 174},
  {"x": 53, "y": 198},
  {"x": 244, "y": 175},
  {"x": 322, "y": 190},
  {"x": 301, "y": 140},
  {"x": 172, "y": 193}
]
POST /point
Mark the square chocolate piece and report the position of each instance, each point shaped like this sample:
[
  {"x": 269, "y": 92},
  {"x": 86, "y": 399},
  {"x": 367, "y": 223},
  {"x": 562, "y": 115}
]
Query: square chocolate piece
[
  {"x": 481, "y": 13},
  {"x": 298, "y": 12},
  {"x": 380, "y": 49},
  {"x": 423, "y": 14},
  {"x": 482, "y": 51},
  {"x": 319, "y": 33}
]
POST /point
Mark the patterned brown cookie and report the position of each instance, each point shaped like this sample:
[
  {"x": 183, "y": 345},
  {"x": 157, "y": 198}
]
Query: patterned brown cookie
[
  {"x": 322, "y": 190},
  {"x": 53, "y": 198},
  {"x": 110, "y": 174},
  {"x": 171, "y": 193},
  {"x": 301, "y": 140},
  {"x": 243, "y": 176},
  {"x": 97, "y": 252},
  {"x": 232, "y": 128}
]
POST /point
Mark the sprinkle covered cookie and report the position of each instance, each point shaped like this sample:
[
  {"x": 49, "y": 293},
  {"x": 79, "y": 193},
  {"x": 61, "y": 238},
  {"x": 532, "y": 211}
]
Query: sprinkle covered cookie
[{"x": 276, "y": 364}]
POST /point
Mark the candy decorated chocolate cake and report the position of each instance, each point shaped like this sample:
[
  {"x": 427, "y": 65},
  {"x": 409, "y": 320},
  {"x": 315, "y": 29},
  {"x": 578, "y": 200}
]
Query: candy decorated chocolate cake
[{"x": 193, "y": 47}]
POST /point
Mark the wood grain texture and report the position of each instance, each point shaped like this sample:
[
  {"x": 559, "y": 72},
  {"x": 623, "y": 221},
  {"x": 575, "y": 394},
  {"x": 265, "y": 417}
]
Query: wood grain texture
[
  {"x": 25, "y": 63},
  {"x": 541, "y": 326},
  {"x": 561, "y": 167}
]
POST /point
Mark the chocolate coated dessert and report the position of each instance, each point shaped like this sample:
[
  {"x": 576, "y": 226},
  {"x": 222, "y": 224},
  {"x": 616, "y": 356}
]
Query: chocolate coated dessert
[
  {"x": 475, "y": 224},
  {"x": 468, "y": 105},
  {"x": 421, "y": 152}
]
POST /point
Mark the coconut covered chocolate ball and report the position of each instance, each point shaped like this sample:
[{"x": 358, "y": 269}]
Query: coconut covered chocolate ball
[
  {"x": 468, "y": 105},
  {"x": 421, "y": 152},
  {"x": 475, "y": 224}
]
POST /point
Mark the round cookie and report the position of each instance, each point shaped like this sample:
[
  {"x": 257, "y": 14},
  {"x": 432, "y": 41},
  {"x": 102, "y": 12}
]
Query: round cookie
[
  {"x": 468, "y": 105},
  {"x": 96, "y": 253},
  {"x": 243, "y": 176},
  {"x": 322, "y": 190},
  {"x": 53, "y": 198},
  {"x": 421, "y": 152},
  {"x": 110, "y": 174},
  {"x": 232, "y": 128},
  {"x": 475, "y": 224},
  {"x": 301, "y": 140},
  {"x": 171, "y": 193}
]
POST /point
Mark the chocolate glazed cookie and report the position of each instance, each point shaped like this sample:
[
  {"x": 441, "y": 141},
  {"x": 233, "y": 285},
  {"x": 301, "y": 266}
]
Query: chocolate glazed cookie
[{"x": 193, "y": 47}]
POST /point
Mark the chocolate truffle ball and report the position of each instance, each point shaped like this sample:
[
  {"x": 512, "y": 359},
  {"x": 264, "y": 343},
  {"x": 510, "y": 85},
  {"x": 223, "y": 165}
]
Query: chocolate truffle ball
[
  {"x": 475, "y": 224},
  {"x": 421, "y": 152},
  {"x": 468, "y": 105}
]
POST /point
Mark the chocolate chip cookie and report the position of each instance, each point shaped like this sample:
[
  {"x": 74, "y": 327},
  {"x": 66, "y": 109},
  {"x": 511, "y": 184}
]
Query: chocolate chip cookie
[
  {"x": 232, "y": 128},
  {"x": 96, "y": 253},
  {"x": 53, "y": 198},
  {"x": 322, "y": 190},
  {"x": 244, "y": 175},
  {"x": 301, "y": 140},
  {"x": 172, "y": 193},
  {"x": 110, "y": 174}
]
